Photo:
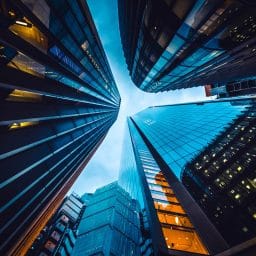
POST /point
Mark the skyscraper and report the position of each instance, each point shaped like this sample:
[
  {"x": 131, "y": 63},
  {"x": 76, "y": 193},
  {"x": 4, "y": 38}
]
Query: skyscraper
[
  {"x": 59, "y": 235},
  {"x": 160, "y": 141},
  {"x": 231, "y": 89},
  {"x": 110, "y": 224},
  {"x": 59, "y": 100},
  {"x": 177, "y": 44},
  {"x": 222, "y": 179}
]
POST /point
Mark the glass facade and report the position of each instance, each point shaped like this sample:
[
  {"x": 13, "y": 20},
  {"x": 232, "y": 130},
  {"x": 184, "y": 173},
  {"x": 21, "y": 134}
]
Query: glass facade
[
  {"x": 110, "y": 224},
  {"x": 180, "y": 180},
  {"x": 194, "y": 164},
  {"x": 179, "y": 132},
  {"x": 221, "y": 178},
  {"x": 170, "y": 45},
  {"x": 59, "y": 100},
  {"x": 176, "y": 228}
]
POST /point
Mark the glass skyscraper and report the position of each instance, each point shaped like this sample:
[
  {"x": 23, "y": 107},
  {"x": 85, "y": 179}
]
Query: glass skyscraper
[
  {"x": 177, "y": 44},
  {"x": 222, "y": 179},
  {"x": 110, "y": 224},
  {"x": 159, "y": 143},
  {"x": 58, "y": 100}
]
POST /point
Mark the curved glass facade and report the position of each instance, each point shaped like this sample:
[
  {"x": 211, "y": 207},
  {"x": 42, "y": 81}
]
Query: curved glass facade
[{"x": 180, "y": 44}]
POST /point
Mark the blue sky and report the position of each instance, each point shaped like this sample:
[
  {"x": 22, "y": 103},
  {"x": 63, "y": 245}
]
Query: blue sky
[{"x": 104, "y": 166}]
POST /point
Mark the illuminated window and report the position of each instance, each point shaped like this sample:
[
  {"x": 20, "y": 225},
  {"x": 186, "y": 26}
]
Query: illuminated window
[
  {"x": 21, "y": 125},
  {"x": 183, "y": 240},
  {"x": 237, "y": 196},
  {"x": 27, "y": 31},
  {"x": 23, "y": 96},
  {"x": 178, "y": 231}
]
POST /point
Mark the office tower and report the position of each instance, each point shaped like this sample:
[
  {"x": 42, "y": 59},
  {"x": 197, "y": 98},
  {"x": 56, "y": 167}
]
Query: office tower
[
  {"x": 110, "y": 224},
  {"x": 231, "y": 89},
  {"x": 222, "y": 179},
  {"x": 59, "y": 100},
  {"x": 160, "y": 141},
  {"x": 59, "y": 235},
  {"x": 178, "y": 44}
]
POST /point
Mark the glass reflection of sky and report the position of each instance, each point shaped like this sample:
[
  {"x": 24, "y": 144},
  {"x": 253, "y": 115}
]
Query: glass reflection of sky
[{"x": 179, "y": 132}]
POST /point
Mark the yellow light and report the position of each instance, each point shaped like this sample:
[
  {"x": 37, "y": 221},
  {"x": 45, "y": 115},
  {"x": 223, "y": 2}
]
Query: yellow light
[
  {"x": 254, "y": 215},
  {"x": 22, "y": 23},
  {"x": 237, "y": 196},
  {"x": 23, "y": 96},
  {"x": 21, "y": 125},
  {"x": 239, "y": 168},
  {"x": 177, "y": 220},
  {"x": 11, "y": 13}
]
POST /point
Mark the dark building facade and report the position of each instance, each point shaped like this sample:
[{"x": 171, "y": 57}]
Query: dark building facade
[
  {"x": 176, "y": 44},
  {"x": 59, "y": 235},
  {"x": 232, "y": 89},
  {"x": 222, "y": 179},
  {"x": 58, "y": 100},
  {"x": 159, "y": 143},
  {"x": 110, "y": 224}
]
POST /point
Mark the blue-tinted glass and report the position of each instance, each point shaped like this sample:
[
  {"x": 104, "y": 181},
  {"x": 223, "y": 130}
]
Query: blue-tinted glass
[{"x": 179, "y": 132}]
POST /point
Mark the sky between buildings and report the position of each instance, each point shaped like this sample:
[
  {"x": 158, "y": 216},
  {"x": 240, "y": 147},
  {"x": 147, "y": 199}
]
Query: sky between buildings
[{"x": 104, "y": 165}]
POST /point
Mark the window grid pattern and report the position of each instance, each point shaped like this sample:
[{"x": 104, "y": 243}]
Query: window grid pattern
[
  {"x": 110, "y": 224},
  {"x": 178, "y": 231},
  {"x": 179, "y": 132}
]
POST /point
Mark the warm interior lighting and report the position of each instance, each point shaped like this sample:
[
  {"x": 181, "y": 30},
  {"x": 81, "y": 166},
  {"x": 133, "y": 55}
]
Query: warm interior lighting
[
  {"x": 29, "y": 32},
  {"x": 254, "y": 215},
  {"x": 11, "y": 13},
  {"x": 23, "y": 23},
  {"x": 23, "y": 96},
  {"x": 178, "y": 231},
  {"x": 21, "y": 125},
  {"x": 237, "y": 196}
]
